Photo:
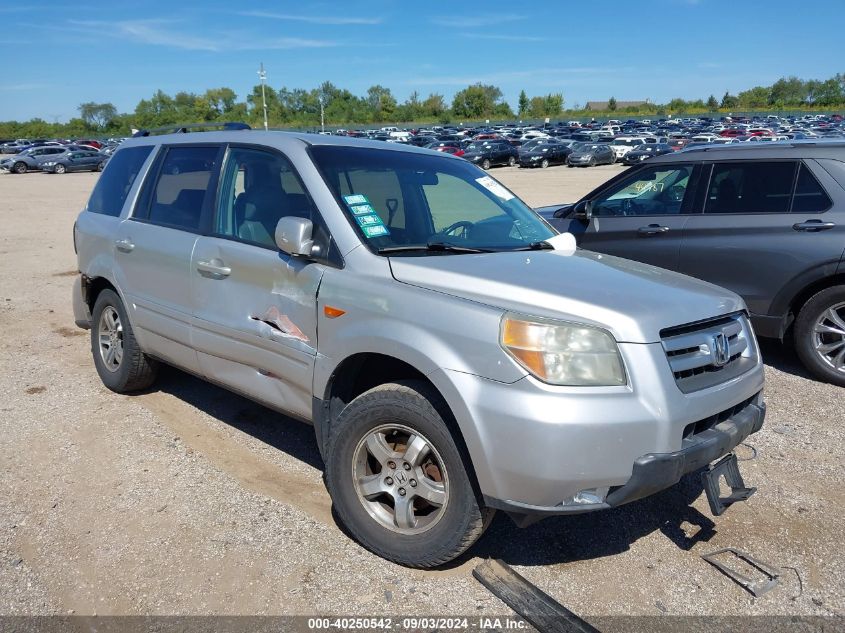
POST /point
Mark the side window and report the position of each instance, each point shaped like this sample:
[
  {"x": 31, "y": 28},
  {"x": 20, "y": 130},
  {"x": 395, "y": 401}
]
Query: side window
[
  {"x": 113, "y": 186},
  {"x": 183, "y": 180},
  {"x": 809, "y": 196},
  {"x": 658, "y": 190},
  {"x": 257, "y": 190},
  {"x": 751, "y": 187}
]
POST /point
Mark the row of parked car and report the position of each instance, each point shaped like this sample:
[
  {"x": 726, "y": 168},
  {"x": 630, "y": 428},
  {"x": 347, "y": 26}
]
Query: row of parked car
[{"x": 54, "y": 156}]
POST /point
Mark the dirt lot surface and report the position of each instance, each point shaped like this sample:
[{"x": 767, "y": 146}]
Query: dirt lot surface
[{"x": 191, "y": 500}]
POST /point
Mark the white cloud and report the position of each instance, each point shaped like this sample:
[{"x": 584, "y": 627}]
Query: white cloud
[
  {"x": 477, "y": 21},
  {"x": 160, "y": 33},
  {"x": 504, "y": 37},
  {"x": 312, "y": 19}
]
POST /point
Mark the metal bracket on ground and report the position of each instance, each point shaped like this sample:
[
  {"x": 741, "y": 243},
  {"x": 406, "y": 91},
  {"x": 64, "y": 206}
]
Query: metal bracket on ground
[{"x": 755, "y": 587}]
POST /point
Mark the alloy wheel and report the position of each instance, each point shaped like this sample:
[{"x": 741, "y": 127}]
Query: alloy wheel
[
  {"x": 400, "y": 479},
  {"x": 110, "y": 331},
  {"x": 829, "y": 337}
]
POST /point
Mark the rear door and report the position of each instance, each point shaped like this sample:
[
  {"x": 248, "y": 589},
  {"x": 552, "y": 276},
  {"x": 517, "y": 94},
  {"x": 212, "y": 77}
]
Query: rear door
[
  {"x": 766, "y": 232},
  {"x": 642, "y": 217},
  {"x": 255, "y": 308},
  {"x": 154, "y": 246}
]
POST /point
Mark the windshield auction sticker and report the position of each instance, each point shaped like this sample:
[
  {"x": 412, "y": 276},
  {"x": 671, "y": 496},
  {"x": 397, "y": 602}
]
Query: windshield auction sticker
[
  {"x": 356, "y": 199},
  {"x": 376, "y": 230},
  {"x": 361, "y": 209},
  {"x": 495, "y": 188}
]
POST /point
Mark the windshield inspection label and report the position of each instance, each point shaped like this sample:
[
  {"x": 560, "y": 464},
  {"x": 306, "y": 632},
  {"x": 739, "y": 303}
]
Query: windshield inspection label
[
  {"x": 376, "y": 230},
  {"x": 356, "y": 199},
  {"x": 368, "y": 220},
  {"x": 495, "y": 188},
  {"x": 362, "y": 209}
]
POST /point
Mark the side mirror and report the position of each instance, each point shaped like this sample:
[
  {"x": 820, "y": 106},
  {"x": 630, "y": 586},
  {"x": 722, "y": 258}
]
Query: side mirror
[
  {"x": 293, "y": 236},
  {"x": 583, "y": 210}
]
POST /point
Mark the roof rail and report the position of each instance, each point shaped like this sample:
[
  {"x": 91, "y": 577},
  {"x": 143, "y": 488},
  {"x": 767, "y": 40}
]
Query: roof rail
[{"x": 191, "y": 127}]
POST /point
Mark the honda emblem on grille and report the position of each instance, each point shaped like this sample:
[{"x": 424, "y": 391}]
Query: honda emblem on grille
[{"x": 720, "y": 349}]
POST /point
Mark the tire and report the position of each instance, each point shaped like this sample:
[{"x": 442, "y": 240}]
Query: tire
[
  {"x": 485, "y": 164},
  {"x": 385, "y": 417},
  {"x": 19, "y": 167},
  {"x": 511, "y": 161},
  {"x": 592, "y": 162},
  {"x": 100, "y": 166},
  {"x": 612, "y": 159},
  {"x": 825, "y": 310},
  {"x": 59, "y": 169},
  {"x": 131, "y": 369},
  {"x": 570, "y": 165},
  {"x": 544, "y": 163}
]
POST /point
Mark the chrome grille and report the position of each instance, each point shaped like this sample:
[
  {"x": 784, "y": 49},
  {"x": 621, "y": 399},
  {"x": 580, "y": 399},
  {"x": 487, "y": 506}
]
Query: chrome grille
[{"x": 705, "y": 354}]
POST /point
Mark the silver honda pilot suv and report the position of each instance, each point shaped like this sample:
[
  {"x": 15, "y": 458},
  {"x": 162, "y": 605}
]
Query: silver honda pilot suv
[{"x": 454, "y": 354}]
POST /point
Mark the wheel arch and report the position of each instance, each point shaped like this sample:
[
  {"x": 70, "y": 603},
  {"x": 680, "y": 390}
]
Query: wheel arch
[
  {"x": 364, "y": 370},
  {"x": 789, "y": 303}
]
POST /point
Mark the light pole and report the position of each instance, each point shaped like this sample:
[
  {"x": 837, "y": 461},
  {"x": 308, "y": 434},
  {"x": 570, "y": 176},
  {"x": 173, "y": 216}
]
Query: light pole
[
  {"x": 322, "y": 115},
  {"x": 262, "y": 75}
]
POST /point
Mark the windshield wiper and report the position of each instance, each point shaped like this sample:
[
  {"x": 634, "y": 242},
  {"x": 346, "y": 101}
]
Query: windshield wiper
[
  {"x": 535, "y": 246},
  {"x": 433, "y": 247}
]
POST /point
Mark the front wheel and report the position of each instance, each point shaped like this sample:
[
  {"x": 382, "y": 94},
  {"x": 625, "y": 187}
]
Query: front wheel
[
  {"x": 60, "y": 169},
  {"x": 19, "y": 167},
  {"x": 544, "y": 163},
  {"x": 397, "y": 478},
  {"x": 511, "y": 161},
  {"x": 100, "y": 166},
  {"x": 485, "y": 164},
  {"x": 592, "y": 162},
  {"x": 820, "y": 335}
]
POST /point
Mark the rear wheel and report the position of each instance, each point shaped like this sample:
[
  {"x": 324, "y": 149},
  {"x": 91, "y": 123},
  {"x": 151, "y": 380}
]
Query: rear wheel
[
  {"x": 820, "y": 335},
  {"x": 19, "y": 167},
  {"x": 485, "y": 163},
  {"x": 121, "y": 364},
  {"x": 592, "y": 162},
  {"x": 511, "y": 161},
  {"x": 60, "y": 169},
  {"x": 100, "y": 166},
  {"x": 397, "y": 478}
]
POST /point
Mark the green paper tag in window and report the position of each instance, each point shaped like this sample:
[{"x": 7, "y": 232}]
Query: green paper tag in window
[
  {"x": 356, "y": 199},
  {"x": 369, "y": 220},
  {"x": 362, "y": 209},
  {"x": 376, "y": 230}
]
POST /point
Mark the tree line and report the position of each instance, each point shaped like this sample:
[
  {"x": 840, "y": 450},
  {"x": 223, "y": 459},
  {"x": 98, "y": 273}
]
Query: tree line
[{"x": 298, "y": 107}]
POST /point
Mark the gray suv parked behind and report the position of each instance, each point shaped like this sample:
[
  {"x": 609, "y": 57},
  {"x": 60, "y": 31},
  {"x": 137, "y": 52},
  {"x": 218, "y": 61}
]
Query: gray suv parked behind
[
  {"x": 453, "y": 353},
  {"x": 767, "y": 222}
]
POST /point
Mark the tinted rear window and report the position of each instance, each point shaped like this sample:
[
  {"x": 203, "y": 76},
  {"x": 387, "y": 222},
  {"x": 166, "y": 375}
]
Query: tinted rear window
[
  {"x": 809, "y": 196},
  {"x": 182, "y": 183},
  {"x": 115, "y": 182},
  {"x": 751, "y": 187}
]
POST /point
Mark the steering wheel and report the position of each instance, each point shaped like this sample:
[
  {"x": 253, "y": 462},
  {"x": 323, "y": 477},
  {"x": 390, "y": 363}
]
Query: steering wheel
[
  {"x": 461, "y": 224},
  {"x": 676, "y": 193},
  {"x": 629, "y": 207}
]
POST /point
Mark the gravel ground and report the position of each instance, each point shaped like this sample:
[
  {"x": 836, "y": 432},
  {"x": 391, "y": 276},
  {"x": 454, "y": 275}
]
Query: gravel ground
[{"x": 191, "y": 500}]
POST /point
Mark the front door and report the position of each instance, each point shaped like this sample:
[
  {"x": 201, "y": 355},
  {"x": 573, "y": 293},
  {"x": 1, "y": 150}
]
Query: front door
[
  {"x": 255, "y": 308},
  {"x": 642, "y": 217},
  {"x": 766, "y": 232}
]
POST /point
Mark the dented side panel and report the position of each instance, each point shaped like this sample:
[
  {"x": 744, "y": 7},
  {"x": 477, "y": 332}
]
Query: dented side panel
[{"x": 255, "y": 328}]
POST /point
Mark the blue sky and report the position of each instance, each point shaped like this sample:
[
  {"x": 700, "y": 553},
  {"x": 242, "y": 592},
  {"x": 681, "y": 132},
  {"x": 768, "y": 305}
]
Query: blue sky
[{"x": 60, "y": 54}]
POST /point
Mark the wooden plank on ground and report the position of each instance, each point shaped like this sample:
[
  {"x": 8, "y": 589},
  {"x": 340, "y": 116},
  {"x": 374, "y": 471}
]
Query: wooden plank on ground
[{"x": 539, "y": 609}]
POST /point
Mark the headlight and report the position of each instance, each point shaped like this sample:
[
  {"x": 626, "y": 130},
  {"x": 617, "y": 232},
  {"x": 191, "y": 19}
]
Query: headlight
[
  {"x": 562, "y": 353},
  {"x": 49, "y": 164},
  {"x": 535, "y": 158}
]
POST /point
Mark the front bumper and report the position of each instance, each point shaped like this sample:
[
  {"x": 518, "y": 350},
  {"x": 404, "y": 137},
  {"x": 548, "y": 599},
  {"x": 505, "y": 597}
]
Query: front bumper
[{"x": 537, "y": 449}]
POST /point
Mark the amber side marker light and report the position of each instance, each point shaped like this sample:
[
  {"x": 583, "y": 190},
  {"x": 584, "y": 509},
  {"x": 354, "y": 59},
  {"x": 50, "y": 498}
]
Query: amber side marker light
[{"x": 333, "y": 313}]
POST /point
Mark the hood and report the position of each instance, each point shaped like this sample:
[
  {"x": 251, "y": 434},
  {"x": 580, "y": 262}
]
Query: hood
[{"x": 632, "y": 300}]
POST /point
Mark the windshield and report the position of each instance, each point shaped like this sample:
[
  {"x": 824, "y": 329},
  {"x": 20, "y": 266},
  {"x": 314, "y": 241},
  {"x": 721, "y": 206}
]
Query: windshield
[
  {"x": 627, "y": 142},
  {"x": 407, "y": 199},
  {"x": 478, "y": 147}
]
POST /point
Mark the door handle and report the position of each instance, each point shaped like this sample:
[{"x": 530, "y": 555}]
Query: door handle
[
  {"x": 813, "y": 226},
  {"x": 124, "y": 245},
  {"x": 210, "y": 268},
  {"x": 652, "y": 229}
]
